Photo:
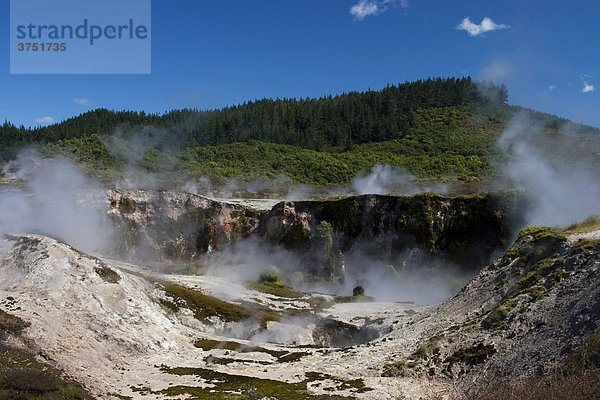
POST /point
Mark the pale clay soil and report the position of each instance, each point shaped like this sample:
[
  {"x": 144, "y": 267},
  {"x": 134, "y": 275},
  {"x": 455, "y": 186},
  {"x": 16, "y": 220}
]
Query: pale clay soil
[{"x": 111, "y": 337}]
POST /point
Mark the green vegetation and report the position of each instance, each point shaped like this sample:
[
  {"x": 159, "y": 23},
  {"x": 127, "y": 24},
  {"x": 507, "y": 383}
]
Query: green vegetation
[
  {"x": 272, "y": 277},
  {"x": 22, "y": 377},
  {"x": 11, "y": 324},
  {"x": 422, "y": 353},
  {"x": 281, "y": 355},
  {"x": 126, "y": 205},
  {"x": 275, "y": 289},
  {"x": 225, "y": 386},
  {"x": 472, "y": 355},
  {"x": 588, "y": 245},
  {"x": 358, "y": 291},
  {"x": 545, "y": 241},
  {"x": 396, "y": 369},
  {"x": 209, "y": 344},
  {"x": 108, "y": 274},
  {"x": 578, "y": 377},
  {"x": 434, "y": 128},
  {"x": 204, "y": 306},
  {"x": 533, "y": 230},
  {"x": 590, "y": 224},
  {"x": 428, "y": 348},
  {"x": 537, "y": 272},
  {"x": 497, "y": 316},
  {"x": 538, "y": 267}
]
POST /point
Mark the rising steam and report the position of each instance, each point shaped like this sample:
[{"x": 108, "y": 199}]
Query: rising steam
[
  {"x": 56, "y": 200},
  {"x": 559, "y": 169},
  {"x": 385, "y": 179}
]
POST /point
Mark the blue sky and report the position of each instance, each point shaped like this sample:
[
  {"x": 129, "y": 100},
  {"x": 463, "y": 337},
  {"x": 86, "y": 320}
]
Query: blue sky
[{"x": 210, "y": 54}]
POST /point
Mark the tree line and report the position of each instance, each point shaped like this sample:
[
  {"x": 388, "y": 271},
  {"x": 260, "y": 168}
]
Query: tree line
[{"x": 319, "y": 123}]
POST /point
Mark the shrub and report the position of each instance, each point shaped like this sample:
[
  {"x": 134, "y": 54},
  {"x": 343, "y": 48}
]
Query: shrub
[
  {"x": 358, "y": 291},
  {"x": 11, "y": 323},
  {"x": 269, "y": 275}
]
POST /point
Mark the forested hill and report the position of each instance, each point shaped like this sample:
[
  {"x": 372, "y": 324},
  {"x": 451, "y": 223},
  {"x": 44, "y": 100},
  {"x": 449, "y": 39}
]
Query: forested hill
[
  {"x": 350, "y": 118},
  {"x": 435, "y": 128}
]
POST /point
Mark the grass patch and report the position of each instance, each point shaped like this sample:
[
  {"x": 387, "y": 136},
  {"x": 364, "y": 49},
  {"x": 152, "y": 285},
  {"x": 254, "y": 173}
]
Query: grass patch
[
  {"x": 272, "y": 277},
  {"x": 11, "y": 324},
  {"x": 274, "y": 289},
  {"x": 533, "y": 230},
  {"x": 587, "y": 244},
  {"x": 429, "y": 347},
  {"x": 497, "y": 316},
  {"x": 224, "y": 385},
  {"x": 204, "y": 306},
  {"x": 107, "y": 274},
  {"x": 590, "y": 224},
  {"x": 22, "y": 377},
  {"x": 538, "y": 272},
  {"x": 228, "y": 360},
  {"x": 394, "y": 369},
  {"x": 542, "y": 232},
  {"x": 472, "y": 355}
]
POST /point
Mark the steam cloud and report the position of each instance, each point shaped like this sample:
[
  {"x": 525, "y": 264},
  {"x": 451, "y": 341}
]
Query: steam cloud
[
  {"x": 56, "y": 200},
  {"x": 558, "y": 169},
  {"x": 385, "y": 179}
]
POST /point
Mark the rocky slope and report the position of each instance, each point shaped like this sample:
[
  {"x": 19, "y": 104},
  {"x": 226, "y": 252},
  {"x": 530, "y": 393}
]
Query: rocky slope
[
  {"x": 518, "y": 318},
  {"x": 124, "y": 331}
]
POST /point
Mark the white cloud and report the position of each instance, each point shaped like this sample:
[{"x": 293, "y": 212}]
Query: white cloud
[
  {"x": 587, "y": 88},
  {"x": 84, "y": 102},
  {"x": 365, "y": 8},
  {"x": 585, "y": 80},
  {"x": 486, "y": 25},
  {"x": 551, "y": 87},
  {"x": 45, "y": 120}
]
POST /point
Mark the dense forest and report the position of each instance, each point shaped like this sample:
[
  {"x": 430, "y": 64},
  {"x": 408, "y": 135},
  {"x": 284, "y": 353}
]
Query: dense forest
[{"x": 435, "y": 128}]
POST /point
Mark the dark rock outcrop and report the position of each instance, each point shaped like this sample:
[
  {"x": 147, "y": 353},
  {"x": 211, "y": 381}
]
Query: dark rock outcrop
[{"x": 464, "y": 230}]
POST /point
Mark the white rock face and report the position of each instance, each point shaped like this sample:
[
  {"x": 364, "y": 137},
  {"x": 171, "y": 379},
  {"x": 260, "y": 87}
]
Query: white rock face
[
  {"x": 95, "y": 330},
  {"x": 101, "y": 322}
]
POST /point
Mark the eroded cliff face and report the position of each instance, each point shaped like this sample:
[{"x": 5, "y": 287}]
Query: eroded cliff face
[
  {"x": 174, "y": 226},
  {"x": 464, "y": 230}
]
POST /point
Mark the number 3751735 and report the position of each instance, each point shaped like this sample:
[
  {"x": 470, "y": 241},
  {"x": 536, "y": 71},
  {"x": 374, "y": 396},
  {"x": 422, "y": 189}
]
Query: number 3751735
[{"x": 42, "y": 46}]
